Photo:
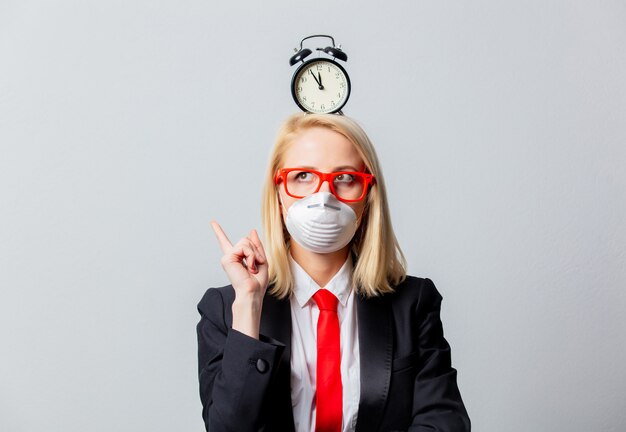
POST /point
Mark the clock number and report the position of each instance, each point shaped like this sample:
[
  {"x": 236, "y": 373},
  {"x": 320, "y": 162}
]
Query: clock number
[
  {"x": 337, "y": 75},
  {"x": 319, "y": 67},
  {"x": 342, "y": 85},
  {"x": 303, "y": 79},
  {"x": 299, "y": 89},
  {"x": 322, "y": 106},
  {"x": 303, "y": 98},
  {"x": 338, "y": 95},
  {"x": 332, "y": 103}
]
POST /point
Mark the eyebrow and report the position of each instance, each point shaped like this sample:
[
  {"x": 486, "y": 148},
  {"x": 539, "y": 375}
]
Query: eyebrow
[
  {"x": 339, "y": 168},
  {"x": 345, "y": 168}
]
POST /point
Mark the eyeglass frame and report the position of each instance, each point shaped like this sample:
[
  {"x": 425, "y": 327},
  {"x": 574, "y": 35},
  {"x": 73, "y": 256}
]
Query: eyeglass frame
[{"x": 368, "y": 180}]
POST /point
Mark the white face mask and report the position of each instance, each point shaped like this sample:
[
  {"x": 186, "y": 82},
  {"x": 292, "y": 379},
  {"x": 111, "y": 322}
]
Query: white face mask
[{"x": 321, "y": 223}]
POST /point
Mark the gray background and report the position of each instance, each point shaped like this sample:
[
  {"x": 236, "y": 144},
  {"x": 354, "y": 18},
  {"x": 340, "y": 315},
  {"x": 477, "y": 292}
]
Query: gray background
[{"x": 125, "y": 126}]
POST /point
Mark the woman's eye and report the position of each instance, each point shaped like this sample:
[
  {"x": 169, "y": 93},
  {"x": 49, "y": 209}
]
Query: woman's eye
[
  {"x": 344, "y": 178},
  {"x": 304, "y": 176}
]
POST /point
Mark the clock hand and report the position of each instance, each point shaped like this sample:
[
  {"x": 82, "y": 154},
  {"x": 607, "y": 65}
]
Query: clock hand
[
  {"x": 314, "y": 77},
  {"x": 321, "y": 87},
  {"x": 320, "y": 81}
]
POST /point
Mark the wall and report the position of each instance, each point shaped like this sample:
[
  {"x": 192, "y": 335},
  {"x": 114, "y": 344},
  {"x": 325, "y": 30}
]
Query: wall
[{"x": 126, "y": 126}]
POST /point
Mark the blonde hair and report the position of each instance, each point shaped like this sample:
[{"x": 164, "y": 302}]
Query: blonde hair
[{"x": 380, "y": 263}]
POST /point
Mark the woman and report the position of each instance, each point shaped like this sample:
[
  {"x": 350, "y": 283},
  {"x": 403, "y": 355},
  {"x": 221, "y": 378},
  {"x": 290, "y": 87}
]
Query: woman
[{"x": 273, "y": 354}]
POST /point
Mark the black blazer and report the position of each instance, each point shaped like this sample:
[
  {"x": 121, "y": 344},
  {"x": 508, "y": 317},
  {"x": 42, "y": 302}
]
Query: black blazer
[{"x": 407, "y": 381}]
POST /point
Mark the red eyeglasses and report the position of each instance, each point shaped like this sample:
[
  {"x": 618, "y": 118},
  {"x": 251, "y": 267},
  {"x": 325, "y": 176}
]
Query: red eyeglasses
[{"x": 347, "y": 186}]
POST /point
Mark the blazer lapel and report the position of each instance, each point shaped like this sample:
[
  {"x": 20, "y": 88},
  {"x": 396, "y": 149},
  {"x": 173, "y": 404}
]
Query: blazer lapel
[
  {"x": 375, "y": 351},
  {"x": 276, "y": 324}
]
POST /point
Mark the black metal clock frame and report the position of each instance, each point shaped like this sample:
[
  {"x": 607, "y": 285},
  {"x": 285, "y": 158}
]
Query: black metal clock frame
[{"x": 333, "y": 51}]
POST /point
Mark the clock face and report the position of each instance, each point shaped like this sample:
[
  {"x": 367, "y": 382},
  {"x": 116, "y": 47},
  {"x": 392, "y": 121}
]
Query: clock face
[{"x": 320, "y": 86}]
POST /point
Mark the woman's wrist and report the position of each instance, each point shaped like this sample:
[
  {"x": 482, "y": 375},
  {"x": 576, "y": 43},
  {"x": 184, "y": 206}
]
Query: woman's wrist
[{"x": 247, "y": 315}]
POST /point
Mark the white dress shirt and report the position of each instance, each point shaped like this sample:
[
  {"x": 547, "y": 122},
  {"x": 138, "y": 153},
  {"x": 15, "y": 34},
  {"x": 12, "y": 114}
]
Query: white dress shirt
[{"x": 304, "y": 314}]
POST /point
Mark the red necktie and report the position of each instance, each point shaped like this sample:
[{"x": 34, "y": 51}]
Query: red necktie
[{"x": 328, "y": 387}]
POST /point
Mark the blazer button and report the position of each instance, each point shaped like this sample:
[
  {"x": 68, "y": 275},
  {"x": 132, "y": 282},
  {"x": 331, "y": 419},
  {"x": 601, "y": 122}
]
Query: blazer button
[{"x": 262, "y": 366}]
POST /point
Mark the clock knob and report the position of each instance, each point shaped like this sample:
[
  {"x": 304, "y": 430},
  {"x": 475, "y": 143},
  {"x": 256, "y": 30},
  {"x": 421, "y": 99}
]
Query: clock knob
[{"x": 299, "y": 56}]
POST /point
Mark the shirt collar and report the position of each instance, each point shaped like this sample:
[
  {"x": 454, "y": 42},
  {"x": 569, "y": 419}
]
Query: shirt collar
[{"x": 304, "y": 285}]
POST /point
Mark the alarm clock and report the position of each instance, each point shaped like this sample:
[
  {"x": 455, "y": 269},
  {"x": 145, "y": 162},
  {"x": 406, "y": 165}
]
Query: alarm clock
[{"x": 320, "y": 85}]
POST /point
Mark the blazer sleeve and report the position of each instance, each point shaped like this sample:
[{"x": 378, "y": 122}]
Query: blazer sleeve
[
  {"x": 437, "y": 403},
  {"x": 234, "y": 369}
]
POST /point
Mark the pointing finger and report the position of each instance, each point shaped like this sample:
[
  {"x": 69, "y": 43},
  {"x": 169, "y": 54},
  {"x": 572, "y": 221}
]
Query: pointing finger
[{"x": 222, "y": 238}]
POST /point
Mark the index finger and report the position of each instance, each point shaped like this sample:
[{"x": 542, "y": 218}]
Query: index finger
[{"x": 222, "y": 238}]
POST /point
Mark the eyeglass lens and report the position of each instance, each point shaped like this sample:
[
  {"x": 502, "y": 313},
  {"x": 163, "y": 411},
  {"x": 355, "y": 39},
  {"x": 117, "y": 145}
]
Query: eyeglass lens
[{"x": 303, "y": 183}]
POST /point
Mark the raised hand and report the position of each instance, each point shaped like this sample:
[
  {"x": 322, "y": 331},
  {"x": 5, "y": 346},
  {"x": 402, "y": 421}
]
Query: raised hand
[{"x": 245, "y": 263}]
